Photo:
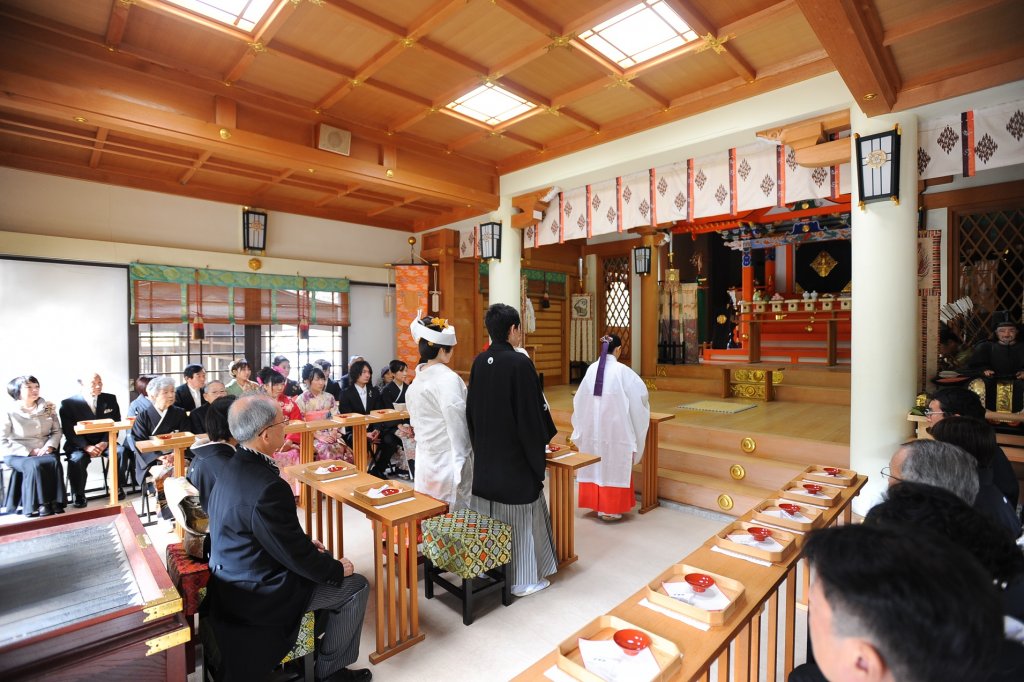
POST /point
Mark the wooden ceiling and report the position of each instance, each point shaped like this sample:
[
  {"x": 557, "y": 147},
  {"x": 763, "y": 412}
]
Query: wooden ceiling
[{"x": 142, "y": 94}]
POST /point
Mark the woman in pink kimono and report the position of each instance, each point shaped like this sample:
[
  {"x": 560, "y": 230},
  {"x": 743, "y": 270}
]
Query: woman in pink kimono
[{"x": 315, "y": 403}]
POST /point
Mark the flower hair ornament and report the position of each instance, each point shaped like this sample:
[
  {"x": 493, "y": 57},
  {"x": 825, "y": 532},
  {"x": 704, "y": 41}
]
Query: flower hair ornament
[{"x": 419, "y": 330}]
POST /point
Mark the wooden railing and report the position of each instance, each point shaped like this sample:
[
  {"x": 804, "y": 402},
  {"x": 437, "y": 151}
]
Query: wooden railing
[{"x": 758, "y": 640}]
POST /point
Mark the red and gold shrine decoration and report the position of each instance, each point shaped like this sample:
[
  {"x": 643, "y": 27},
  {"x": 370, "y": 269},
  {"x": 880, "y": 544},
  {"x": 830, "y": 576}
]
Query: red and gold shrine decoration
[{"x": 412, "y": 287}]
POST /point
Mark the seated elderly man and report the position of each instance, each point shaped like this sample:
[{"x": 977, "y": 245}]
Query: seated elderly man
[
  {"x": 197, "y": 418},
  {"x": 91, "y": 403},
  {"x": 942, "y": 465},
  {"x": 897, "y": 603},
  {"x": 265, "y": 572}
]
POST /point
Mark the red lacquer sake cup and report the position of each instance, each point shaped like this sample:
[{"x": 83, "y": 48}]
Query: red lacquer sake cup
[
  {"x": 791, "y": 509},
  {"x": 832, "y": 471},
  {"x": 631, "y": 641},
  {"x": 760, "y": 534},
  {"x": 812, "y": 488},
  {"x": 699, "y": 582}
]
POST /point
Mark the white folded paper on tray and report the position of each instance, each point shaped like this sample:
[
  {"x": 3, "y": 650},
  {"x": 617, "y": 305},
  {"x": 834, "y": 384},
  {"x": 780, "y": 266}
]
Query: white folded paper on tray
[
  {"x": 607, "y": 660},
  {"x": 710, "y": 599},
  {"x": 377, "y": 493},
  {"x": 320, "y": 471},
  {"x": 558, "y": 675},
  {"x": 769, "y": 545},
  {"x": 808, "y": 493},
  {"x": 646, "y": 603},
  {"x": 779, "y": 514},
  {"x": 744, "y": 557}
]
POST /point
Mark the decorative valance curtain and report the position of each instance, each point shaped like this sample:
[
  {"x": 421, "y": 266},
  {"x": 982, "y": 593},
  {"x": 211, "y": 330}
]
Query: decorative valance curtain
[{"x": 163, "y": 294}]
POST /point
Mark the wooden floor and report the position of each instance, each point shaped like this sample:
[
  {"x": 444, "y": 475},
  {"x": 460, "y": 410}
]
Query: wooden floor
[{"x": 828, "y": 423}]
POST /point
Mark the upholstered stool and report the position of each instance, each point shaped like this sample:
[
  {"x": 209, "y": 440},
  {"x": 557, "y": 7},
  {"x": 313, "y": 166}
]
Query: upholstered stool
[
  {"x": 189, "y": 576},
  {"x": 474, "y": 547},
  {"x": 304, "y": 649}
]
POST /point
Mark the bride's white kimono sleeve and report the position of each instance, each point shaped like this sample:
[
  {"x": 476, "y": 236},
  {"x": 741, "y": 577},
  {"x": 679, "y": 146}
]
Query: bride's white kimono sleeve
[{"x": 436, "y": 401}]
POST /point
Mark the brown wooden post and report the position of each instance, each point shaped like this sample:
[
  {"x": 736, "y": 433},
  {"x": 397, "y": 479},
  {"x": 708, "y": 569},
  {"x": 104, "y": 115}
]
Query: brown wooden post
[{"x": 649, "y": 309}]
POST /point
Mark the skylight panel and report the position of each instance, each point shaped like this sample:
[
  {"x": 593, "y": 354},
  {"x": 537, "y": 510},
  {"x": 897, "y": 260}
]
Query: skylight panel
[
  {"x": 242, "y": 14},
  {"x": 491, "y": 104},
  {"x": 642, "y": 32}
]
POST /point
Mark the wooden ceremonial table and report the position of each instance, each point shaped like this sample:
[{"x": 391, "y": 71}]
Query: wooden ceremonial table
[
  {"x": 110, "y": 427},
  {"x": 649, "y": 463},
  {"x": 742, "y": 628},
  {"x": 359, "y": 423},
  {"x": 396, "y": 604},
  {"x": 177, "y": 442},
  {"x": 562, "y": 501},
  {"x": 306, "y": 431}
]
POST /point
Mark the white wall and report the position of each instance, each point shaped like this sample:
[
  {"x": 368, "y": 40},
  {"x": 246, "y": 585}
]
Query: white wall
[
  {"x": 372, "y": 333},
  {"x": 61, "y": 321}
]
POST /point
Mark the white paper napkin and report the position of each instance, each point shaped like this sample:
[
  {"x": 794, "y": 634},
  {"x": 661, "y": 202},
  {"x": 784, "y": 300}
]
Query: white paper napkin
[
  {"x": 769, "y": 544},
  {"x": 737, "y": 555},
  {"x": 807, "y": 493},
  {"x": 710, "y": 599},
  {"x": 568, "y": 454},
  {"x": 779, "y": 514},
  {"x": 392, "y": 504},
  {"x": 338, "y": 478},
  {"x": 607, "y": 660},
  {"x": 788, "y": 530},
  {"x": 558, "y": 675},
  {"x": 673, "y": 614},
  {"x": 377, "y": 493},
  {"x": 831, "y": 485}
]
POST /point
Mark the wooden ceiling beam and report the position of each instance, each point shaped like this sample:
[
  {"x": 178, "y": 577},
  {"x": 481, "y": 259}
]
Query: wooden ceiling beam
[
  {"x": 187, "y": 175},
  {"x": 281, "y": 177},
  {"x": 995, "y": 68},
  {"x": 101, "y": 139},
  {"x": 705, "y": 29},
  {"x": 452, "y": 56},
  {"x": 261, "y": 37},
  {"x": 525, "y": 141},
  {"x": 469, "y": 139},
  {"x": 851, "y": 33},
  {"x": 609, "y": 67},
  {"x": 367, "y": 18},
  {"x": 434, "y": 16},
  {"x": 117, "y": 23},
  {"x": 376, "y": 63},
  {"x": 395, "y": 204},
  {"x": 192, "y": 19},
  {"x": 576, "y": 119},
  {"x": 140, "y": 180},
  {"x": 935, "y": 17},
  {"x": 31, "y": 95},
  {"x": 397, "y": 92},
  {"x": 759, "y": 19},
  {"x": 531, "y": 17}
]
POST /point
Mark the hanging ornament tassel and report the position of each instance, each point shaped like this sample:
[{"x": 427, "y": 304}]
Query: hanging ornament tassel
[{"x": 198, "y": 329}]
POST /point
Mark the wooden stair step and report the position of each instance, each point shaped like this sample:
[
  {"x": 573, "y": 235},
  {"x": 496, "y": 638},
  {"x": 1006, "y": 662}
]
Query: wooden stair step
[
  {"x": 704, "y": 491},
  {"x": 757, "y": 471},
  {"x": 812, "y": 394},
  {"x": 684, "y": 436}
]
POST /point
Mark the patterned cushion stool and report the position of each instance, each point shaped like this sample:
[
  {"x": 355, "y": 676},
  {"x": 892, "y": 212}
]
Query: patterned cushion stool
[
  {"x": 474, "y": 547},
  {"x": 188, "y": 576},
  {"x": 304, "y": 649}
]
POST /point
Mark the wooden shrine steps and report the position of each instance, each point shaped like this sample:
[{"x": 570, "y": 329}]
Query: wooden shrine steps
[{"x": 800, "y": 383}]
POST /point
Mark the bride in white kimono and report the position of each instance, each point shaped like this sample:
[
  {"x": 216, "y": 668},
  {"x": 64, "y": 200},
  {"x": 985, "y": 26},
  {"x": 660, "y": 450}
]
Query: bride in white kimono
[
  {"x": 436, "y": 402},
  {"x": 610, "y": 417}
]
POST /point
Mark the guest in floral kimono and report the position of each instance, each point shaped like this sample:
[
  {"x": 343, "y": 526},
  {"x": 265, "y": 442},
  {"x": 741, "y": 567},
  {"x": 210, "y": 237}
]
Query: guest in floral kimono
[
  {"x": 288, "y": 454},
  {"x": 315, "y": 404}
]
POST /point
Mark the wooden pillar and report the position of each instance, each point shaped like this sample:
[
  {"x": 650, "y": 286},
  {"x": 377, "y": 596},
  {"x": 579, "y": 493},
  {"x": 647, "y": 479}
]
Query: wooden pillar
[
  {"x": 442, "y": 247},
  {"x": 747, "y": 294},
  {"x": 649, "y": 309}
]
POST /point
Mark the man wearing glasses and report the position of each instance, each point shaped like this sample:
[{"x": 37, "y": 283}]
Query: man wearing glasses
[
  {"x": 265, "y": 572},
  {"x": 931, "y": 462}
]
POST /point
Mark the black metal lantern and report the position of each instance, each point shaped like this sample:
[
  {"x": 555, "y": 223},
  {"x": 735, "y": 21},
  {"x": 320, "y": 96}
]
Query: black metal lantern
[
  {"x": 878, "y": 166},
  {"x": 642, "y": 260},
  {"x": 254, "y": 231},
  {"x": 490, "y": 240}
]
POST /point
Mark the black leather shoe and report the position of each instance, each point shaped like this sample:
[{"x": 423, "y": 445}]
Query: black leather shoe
[
  {"x": 347, "y": 675},
  {"x": 121, "y": 494},
  {"x": 44, "y": 510},
  {"x": 57, "y": 507},
  {"x": 80, "y": 502}
]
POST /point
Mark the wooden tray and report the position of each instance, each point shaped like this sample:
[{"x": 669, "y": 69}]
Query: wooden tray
[
  {"x": 380, "y": 413},
  {"x": 96, "y": 422},
  {"x": 733, "y": 589},
  {"x": 816, "y": 473},
  {"x": 787, "y": 540},
  {"x": 405, "y": 492},
  {"x": 830, "y": 497},
  {"x": 347, "y": 469},
  {"x": 787, "y": 521},
  {"x": 666, "y": 653},
  {"x": 556, "y": 450},
  {"x": 173, "y": 438}
]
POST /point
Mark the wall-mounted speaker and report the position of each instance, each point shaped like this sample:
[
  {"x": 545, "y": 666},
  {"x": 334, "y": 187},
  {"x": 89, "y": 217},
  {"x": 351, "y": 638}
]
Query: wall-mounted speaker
[{"x": 332, "y": 139}]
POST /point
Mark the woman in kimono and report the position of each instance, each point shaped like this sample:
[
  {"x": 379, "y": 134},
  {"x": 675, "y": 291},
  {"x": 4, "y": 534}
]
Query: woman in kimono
[
  {"x": 274, "y": 384},
  {"x": 436, "y": 402},
  {"x": 316, "y": 403},
  {"x": 610, "y": 418}
]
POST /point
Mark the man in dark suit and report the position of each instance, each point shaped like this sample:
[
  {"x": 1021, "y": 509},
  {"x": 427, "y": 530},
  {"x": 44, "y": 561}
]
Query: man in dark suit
[
  {"x": 91, "y": 403},
  {"x": 362, "y": 397},
  {"x": 197, "y": 417},
  {"x": 265, "y": 572},
  {"x": 189, "y": 396}
]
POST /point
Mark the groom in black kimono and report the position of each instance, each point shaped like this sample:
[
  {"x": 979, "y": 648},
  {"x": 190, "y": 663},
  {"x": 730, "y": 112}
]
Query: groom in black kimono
[{"x": 509, "y": 426}]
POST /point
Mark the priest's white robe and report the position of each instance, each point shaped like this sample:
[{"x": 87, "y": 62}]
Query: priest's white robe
[
  {"x": 436, "y": 401},
  {"x": 612, "y": 425}
]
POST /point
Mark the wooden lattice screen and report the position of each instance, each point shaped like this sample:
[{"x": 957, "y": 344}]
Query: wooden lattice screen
[
  {"x": 616, "y": 308},
  {"x": 988, "y": 248}
]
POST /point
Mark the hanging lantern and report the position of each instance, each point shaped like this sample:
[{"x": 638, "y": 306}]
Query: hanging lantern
[{"x": 435, "y": 295}]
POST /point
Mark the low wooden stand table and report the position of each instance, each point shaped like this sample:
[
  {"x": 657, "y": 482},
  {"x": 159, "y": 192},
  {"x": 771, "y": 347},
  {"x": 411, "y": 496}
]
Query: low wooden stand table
[
  {"x": 395, "y": 583},
  {"x": 111, "y": 430},
  {"x": 649, "y": 463},
  {"x": 562, "y": 501}
]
